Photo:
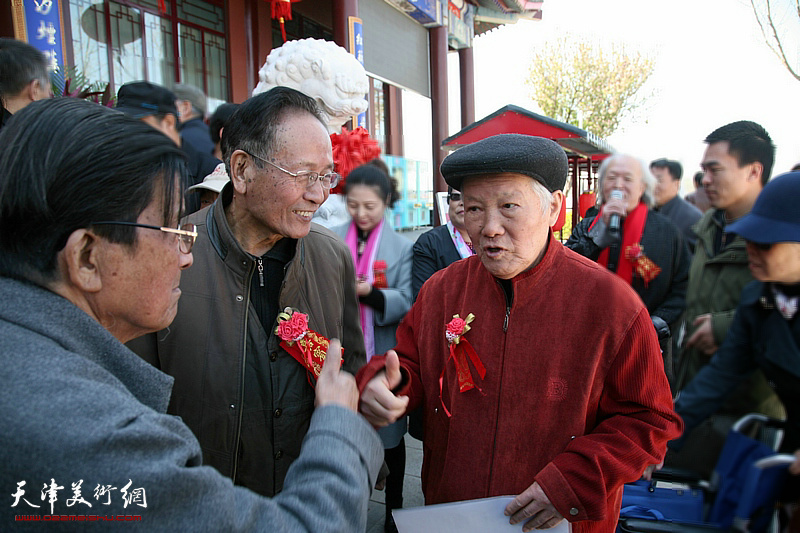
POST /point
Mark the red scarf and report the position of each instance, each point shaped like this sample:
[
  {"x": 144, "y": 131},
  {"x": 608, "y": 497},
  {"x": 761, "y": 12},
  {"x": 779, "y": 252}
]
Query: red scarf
[{"x": 632, "y": 229}]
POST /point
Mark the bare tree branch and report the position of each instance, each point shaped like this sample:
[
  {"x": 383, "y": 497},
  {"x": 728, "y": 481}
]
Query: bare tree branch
[{"x": 771, "y": 37}]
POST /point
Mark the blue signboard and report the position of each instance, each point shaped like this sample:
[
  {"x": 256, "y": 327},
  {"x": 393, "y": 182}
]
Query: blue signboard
[
  {"x": 357, "y": 49},
  {"x": 38, "y": 22},
  {"x": 427, "y": 12}
]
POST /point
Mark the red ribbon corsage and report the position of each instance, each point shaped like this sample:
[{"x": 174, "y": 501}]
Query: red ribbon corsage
[
  {"x": 460, "y": 350},
  {"x": 644, "y": 267},
  {"x": 305, "y": 345}
]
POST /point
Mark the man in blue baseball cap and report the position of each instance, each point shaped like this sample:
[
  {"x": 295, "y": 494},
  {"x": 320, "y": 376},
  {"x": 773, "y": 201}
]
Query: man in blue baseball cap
[{"x": 765, "y": 333}]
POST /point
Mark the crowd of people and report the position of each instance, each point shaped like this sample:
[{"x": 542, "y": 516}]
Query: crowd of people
[{"x": 179, "y": 338}]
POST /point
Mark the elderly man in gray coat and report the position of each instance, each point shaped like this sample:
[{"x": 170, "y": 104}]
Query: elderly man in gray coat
[{"x": 91, "y": 257}]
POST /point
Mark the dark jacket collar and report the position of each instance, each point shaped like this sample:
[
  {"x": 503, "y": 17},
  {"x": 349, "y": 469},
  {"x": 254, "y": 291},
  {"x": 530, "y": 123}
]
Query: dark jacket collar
[{"x": 223, "y": 240}]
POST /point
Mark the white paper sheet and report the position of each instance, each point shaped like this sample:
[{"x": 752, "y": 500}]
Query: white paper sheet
[{"x": 471, "y": 516}]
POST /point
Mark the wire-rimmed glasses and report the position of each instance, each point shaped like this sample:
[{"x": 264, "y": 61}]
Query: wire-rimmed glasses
[
  {"x": 328, "y": 180},
  {"x": 187, "y": 233}
]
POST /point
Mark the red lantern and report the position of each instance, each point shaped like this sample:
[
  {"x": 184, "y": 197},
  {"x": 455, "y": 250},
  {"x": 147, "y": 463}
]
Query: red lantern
[
  {"x": 562, "y": 217},
  {"x": 586, "y": 201}
]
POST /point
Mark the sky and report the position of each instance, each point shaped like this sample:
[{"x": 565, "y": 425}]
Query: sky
[{"x": 712, "y": 67}]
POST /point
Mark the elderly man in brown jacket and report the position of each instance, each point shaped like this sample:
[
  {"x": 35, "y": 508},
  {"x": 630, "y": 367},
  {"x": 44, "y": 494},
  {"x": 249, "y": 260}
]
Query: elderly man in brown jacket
[{"x": 247, "y": 399}]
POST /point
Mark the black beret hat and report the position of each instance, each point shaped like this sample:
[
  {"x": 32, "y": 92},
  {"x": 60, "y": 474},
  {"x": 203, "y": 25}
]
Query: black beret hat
[{"x": 537, "y": 157}]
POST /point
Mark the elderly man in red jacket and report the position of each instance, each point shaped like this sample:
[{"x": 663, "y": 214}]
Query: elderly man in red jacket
[{"x": 538, "y": 372}]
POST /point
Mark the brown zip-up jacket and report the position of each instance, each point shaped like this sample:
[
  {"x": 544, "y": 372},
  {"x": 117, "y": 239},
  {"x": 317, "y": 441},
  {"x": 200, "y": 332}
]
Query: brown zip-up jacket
[{"x": 216, "y": 331}]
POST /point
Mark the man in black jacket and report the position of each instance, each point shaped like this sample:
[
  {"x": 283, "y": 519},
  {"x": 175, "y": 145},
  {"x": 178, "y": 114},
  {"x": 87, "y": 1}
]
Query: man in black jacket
[
  {"x": 191, "y": 104},
  {"x": 23, "y": 77},
  {"x": 669, "y": 203},
  {"x": 445, "y": 244}
]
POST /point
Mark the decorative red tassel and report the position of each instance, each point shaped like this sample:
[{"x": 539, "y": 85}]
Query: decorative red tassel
[
  {"x": 162, "y": 7},
  {"x": 282, "y": 10}
]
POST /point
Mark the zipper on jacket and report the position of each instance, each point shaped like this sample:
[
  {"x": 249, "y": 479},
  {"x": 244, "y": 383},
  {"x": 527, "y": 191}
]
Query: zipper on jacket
[
  {"x": 508, "y": 292},
  {"x": 238, "y": 439},
  {"x": 260, "y": 266},
  {"x": 509, "y": 299}
]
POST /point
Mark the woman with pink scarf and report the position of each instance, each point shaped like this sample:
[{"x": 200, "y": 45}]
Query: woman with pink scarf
[{"x": 383, "y": 267}]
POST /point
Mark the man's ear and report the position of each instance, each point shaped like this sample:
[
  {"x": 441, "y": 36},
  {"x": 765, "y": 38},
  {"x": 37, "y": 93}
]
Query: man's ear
[
  {"x": 239, "y": 163},
  {"x": 756, "y": 171},
  {"x": 80, "y": 261},
  {"x": 32, "y": 90},
  {"x": 555, "y": 206}
]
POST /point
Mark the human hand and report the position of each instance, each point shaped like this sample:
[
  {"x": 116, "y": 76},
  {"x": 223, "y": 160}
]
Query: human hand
[
  {"x": 378, "y": 404},
  {"x": 614, "y": 206},
  {"x": 363, "y": 288},
  {"x": 703, "y": 336},
  {"x": 335, "y": 387},
  {"x": 794, "y": 468},
  {"x": 534, "y": 506},
  {"x": 648, "y": 472}
]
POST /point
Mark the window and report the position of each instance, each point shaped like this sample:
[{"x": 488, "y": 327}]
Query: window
[{"x": 145, "y": 43}]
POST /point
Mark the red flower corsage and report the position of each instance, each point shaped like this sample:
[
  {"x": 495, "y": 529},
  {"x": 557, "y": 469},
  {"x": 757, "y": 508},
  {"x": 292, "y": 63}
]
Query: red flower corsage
[
  {"x": 644, "y": 267},
  {"x": 305, "y": 345},
  {"x": 460, "y": 350}
]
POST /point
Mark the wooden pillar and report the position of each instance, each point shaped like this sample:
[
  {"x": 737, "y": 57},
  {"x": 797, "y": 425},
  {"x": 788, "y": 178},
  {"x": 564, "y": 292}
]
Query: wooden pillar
[
  {"x": 394, "y": 118},
  {"x": 262, "y": 40},
  {"x": 467, "y": 78},
  {"x": 575, "y": 186},
  {"x": 438, "y": 47},
  {"x": 6, "y": 20},
  {"x": 342, "y": 9},
  {"x": 239, "y": 50}
]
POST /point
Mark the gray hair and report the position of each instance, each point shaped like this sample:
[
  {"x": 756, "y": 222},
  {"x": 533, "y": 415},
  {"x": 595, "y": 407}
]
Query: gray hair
[
  {"x": 193, "y": 95},
  {"x": 647, "y": 178},
  {"x": 545, "y": 196},
  {"x": 20, "y": 64}
]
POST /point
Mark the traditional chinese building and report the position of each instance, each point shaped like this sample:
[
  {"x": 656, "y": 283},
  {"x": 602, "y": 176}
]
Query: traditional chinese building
[{"x": 219, "y": 45}]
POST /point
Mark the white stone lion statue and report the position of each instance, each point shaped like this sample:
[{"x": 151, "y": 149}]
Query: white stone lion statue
[{"x": 324, "y": 71}]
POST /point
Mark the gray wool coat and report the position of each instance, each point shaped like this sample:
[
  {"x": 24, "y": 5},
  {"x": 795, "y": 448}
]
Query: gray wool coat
[{"x": 80, "y": 410}]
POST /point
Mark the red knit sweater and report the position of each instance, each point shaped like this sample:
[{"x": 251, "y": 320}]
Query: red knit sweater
[{"x": 574, "y": 396}]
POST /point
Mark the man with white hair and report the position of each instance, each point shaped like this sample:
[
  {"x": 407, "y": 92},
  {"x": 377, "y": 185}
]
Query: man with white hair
[
  {"x": 537, "y": 371},
  {"x": 647, "y": 250}
]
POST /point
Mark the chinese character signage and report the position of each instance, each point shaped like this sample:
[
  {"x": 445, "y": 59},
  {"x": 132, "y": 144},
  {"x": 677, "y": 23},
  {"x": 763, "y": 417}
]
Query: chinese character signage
[
  {"x": 48, "y": 497},
  {"x": 38, "y": 22},
  {"x": 356, "y": 32}
]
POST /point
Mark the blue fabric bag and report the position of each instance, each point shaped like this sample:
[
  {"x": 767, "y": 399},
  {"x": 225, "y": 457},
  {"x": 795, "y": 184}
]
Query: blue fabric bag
[
  {"x": 644, "y": 499},
  {"x": 734, "y": 464}
]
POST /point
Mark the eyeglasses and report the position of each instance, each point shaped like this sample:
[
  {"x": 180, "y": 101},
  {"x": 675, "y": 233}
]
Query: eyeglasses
[
  {"x": 454, "y": 197},
  {"x": 187, "y": 233},
  {"x": 329, "y": 180}
]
